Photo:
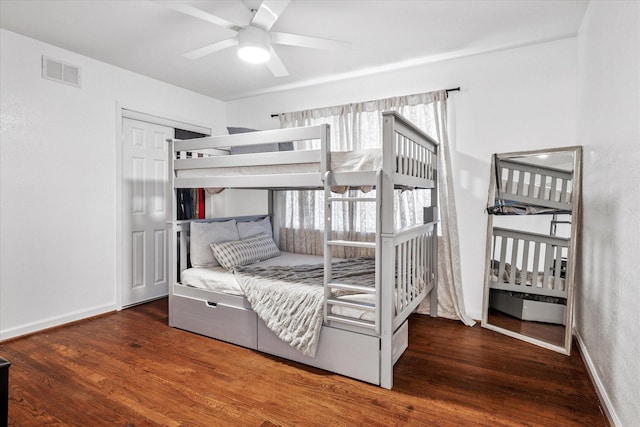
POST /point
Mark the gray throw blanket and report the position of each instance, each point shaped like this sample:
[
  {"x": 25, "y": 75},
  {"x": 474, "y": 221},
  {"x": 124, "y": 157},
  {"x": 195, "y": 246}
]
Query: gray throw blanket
[{"x": 290, "y": 299}]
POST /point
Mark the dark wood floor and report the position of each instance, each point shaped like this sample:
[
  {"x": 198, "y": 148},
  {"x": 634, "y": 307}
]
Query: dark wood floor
[
  {"x": 131, "y": 369},
  {"x": 548, "y": 332}
]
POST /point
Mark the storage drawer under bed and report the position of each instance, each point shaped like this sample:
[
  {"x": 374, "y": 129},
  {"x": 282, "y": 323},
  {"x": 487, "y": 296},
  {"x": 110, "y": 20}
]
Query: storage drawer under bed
[
  {"x": 400, "y": 341},
  {"x": 231, "y": 324},
  {"x": 524, "y": 309},
  {"x": 347, "y": 353}
]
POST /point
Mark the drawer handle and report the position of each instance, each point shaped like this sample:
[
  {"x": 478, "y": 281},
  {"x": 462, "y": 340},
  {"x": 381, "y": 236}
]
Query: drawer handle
[{"x": 212, "y": 304}]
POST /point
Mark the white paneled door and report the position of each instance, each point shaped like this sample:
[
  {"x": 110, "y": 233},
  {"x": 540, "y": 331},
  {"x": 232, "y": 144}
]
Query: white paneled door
[{"x": 145, "y": 210}]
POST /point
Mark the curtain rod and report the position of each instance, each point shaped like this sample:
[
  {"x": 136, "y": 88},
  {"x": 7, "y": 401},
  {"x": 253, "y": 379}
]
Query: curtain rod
[{"x": 454, "y": 89}]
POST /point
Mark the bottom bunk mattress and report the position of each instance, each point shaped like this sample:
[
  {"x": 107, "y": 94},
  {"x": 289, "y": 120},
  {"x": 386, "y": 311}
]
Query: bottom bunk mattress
[
  {"x": 221, "y": 280},
  {"x": 531, "y": 303},
  {"x": 286, "y": 292},
  {"x": 528, "y": 279}
]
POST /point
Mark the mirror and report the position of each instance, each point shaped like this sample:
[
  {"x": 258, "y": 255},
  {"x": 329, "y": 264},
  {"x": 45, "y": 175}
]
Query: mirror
[{"x": 532, "y": 237}]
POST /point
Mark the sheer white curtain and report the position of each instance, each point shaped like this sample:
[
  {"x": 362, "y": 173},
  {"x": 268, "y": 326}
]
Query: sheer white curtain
[{"x": 359, "y": 126}]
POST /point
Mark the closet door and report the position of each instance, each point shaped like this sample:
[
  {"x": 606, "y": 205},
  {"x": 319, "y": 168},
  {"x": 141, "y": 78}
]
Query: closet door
[{"x": 145, "y": 211}]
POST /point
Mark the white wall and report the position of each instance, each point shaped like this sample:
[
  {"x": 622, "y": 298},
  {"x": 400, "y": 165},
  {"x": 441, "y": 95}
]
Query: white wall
[
  {"x": 519, "y": 99},
  {"x": 58, "y": 183},
  {"x": 609, "y": 128}
]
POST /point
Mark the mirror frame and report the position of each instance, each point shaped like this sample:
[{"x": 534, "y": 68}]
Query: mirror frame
[{"x": 570, "y": 277}]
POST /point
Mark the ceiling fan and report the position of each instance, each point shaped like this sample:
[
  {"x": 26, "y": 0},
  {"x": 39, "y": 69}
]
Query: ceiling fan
[{"x": 254, "y": 39}]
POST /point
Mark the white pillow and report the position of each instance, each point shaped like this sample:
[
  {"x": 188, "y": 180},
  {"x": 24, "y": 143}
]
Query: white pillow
[
  {"x": 253, "y": 228},
  {"x": 205, "y": 233},
  {"x": 243, "y": 252}
]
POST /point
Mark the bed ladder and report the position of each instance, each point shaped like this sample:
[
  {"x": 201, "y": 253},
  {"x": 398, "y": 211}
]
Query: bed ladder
[
  {"x": 554, "y": 224},
  {"x": 329, "y": 284}
]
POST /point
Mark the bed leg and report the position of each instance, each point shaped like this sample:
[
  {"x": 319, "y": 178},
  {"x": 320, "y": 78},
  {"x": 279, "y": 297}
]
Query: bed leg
[
  {"x": 386, "y": 360},
  {"x": 386, "y": 368},
  {"x": 433, "y": 295}
]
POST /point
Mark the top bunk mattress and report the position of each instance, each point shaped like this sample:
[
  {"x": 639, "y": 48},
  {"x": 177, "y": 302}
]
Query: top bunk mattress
[
  {"x": 341, "y": 161},
  {"x": 410, "y": 159},
  {"x": 299, "y": 169}
]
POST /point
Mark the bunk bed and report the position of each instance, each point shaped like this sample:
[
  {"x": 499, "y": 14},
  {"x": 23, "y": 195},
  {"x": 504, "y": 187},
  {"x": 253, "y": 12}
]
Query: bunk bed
[
  {"x": 526, "y": 273},
  {"x": 361, "y": 322}
]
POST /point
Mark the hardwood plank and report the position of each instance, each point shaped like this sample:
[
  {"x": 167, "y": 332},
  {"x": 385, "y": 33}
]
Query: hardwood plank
[{"x": 130, "y": 368}]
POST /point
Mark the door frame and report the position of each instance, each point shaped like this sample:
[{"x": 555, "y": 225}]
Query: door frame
[{"x": 124, "y": 110}]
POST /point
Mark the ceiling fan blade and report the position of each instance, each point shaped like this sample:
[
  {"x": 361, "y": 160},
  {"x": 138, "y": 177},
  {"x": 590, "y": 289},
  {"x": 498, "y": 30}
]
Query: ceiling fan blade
[
  {"x": 198, "y": 13},
  {"x": 276, "y": 66},
  {"x": 307, "y": 41},
  {"x": 211, "y": 48},
  {"x": 268, "y": 13}
]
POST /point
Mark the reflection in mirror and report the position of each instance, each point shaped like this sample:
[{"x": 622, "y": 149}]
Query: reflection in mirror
[{"x": 533, "y": 208}]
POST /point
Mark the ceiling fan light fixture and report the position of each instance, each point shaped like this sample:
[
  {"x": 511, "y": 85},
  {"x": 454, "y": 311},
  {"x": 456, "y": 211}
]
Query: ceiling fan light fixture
[
  {"x": 253, "y": 45},
  {"x": 253, "y": 54}
]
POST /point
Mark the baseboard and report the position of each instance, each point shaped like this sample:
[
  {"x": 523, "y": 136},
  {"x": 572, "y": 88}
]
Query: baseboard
[
  {"x": 609, "y": 412},
  {"x": 53, "y": 322}
]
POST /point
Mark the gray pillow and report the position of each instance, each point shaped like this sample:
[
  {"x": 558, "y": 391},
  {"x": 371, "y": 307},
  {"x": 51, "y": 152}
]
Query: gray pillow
[
  {"x": 203, "y": 234},
  {"x": 253, "y": 228},
  {"x": 260, "y": 148}
]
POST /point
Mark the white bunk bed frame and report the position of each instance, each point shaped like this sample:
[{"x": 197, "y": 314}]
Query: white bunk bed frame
[{"x": 352, "y": 347}]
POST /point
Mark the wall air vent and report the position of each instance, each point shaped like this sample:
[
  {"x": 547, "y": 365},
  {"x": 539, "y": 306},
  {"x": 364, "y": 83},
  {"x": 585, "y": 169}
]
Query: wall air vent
[{"x": 59, "y": 71}]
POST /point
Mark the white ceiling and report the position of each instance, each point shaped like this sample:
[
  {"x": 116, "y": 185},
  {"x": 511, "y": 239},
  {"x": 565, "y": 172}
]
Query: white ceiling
[{"x": 148, "y": 38}]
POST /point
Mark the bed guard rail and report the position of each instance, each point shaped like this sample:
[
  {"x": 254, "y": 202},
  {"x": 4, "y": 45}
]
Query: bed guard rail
[
  {"x": 216, "y": 152},
  {"x": 529, "y": 262},
  {"x": 408, "y": 152},
  {"x": 532, "y": 185}
]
